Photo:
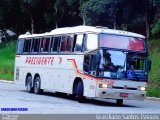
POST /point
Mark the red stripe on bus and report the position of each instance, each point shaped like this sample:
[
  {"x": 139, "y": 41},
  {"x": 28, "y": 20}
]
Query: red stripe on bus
[{"x": 82, "y": 74}]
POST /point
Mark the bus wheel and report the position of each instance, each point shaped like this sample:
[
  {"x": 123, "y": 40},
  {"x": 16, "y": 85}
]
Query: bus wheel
[
  {"x": 80, "y": 97},
  {"x": 119, "y": 102},
  {"x": 29, "y": 84},
  {"x": 37, "y": 85}
]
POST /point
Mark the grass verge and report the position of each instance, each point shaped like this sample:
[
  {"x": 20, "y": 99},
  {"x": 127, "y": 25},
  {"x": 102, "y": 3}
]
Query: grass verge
[{"x": 7, "y": 57}]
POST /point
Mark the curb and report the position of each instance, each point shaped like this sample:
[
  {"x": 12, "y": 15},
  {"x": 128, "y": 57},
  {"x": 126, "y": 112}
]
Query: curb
[
  {"x": 6, "y": 81},
  {"x": 152, "y": 98}
]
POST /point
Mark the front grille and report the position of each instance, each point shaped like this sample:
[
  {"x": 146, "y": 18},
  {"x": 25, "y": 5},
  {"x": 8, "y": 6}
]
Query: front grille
[{"x": 128, "y": 88}]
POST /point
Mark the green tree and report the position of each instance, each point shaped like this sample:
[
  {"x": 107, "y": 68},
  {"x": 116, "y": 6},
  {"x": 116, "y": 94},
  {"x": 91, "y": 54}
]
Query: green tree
[
  {"x": 104, "y": 12},
  {"x": 66, "y": 13},
  {"x": 60, "y": 7},
  {"x": 136, "y": 16},
  {"x": 41, "y": 15},
  {"x": 94, "y": 12},
  {"x": 34, "y": 11},
  {"x": 156, "y": 29},
  {"x": 156, "y": 26}
]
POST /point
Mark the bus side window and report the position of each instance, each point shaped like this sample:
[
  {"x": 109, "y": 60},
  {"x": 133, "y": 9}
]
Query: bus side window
[
  {"x": 44, "y": 44},
  {"x": 92, "y": 42},
  {"x": 74, "y": 43},
  {"x": 94, "y": 62},
  {"x": 84, "y": 44},
  {"x": 56, "y": 44},
  {"x": 69, "y": 43},
  {"x": 47, "y": 44},
  {"x": 79, "y": 40},
  {"x": 35, "y": 45},
  {"x": 52, "y": 44},
  {"x": 86, "y": 63},
  {"x": 63, "y": 44},
  {"x": 20, "y": 45},
  {"x": 27, "y": 46}
]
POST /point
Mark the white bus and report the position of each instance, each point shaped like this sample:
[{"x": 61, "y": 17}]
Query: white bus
[{"x": 88, "y": 62}]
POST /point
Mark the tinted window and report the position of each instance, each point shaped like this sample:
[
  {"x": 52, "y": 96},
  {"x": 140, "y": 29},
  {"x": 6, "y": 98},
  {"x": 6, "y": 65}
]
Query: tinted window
[
  {"x": 52, "y": 44},
  {"x": 27, "y": 45},
  {"x": 45, "y": 44},
  {"x": 35, "y": 45},
  {"x": 69, "y": 43},
  {"x": 55, "y": 44},
  {"x": 79, "y": 41},
  {"x": 86, "y": 63},
  {"x": 74, "y": 43},
  {"x": 20, "y": 46},
  {"x": 64, "y": 43}
]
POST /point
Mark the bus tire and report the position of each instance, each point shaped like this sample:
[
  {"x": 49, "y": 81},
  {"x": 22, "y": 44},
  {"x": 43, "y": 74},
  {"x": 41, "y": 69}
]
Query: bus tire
[
  {"x": 37, "y": 85},
  {"x": 29, "y": 85},
  {"x": 119, "y": 102},
  {"x": 80, "y": 89}
]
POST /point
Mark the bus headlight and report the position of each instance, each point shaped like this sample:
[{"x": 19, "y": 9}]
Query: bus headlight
[
  {"x": 141, "y": 88},
  {"x": 103, "y": 85}
]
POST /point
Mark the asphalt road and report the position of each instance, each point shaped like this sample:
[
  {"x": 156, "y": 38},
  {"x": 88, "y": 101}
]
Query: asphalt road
[{"x": 15, "y": 96}]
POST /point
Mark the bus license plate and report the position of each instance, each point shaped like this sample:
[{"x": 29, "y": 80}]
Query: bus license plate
[{"x": 123, "y": 94}]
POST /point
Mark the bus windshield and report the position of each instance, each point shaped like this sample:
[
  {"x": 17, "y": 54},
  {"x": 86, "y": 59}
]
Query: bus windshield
[
  {"x": 129, "y": 65},
  {"x": 121, "y": 42}
]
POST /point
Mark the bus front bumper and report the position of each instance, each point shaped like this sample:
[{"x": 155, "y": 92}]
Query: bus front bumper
[{"x": 120, "y": 94}]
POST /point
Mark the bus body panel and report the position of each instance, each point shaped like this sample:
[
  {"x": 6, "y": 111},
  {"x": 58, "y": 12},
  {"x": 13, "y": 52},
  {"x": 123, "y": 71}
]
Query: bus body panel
[{"x": 57, "y": 75}]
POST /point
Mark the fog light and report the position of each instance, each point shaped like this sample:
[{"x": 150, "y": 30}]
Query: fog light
[
  {"x": 141, "y": 88},
  {"x": 103, "y": 85}
]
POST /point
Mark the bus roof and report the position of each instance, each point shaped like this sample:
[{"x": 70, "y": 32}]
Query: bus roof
[{"x": 82, "y": 29}]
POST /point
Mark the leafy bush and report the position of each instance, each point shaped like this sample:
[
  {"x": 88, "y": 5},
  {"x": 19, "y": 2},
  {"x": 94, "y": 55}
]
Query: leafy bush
[
  {"x": 154, "y": 75},
  {"x": 156, "y": 29},
  {"x": 7, "y": 57}
]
